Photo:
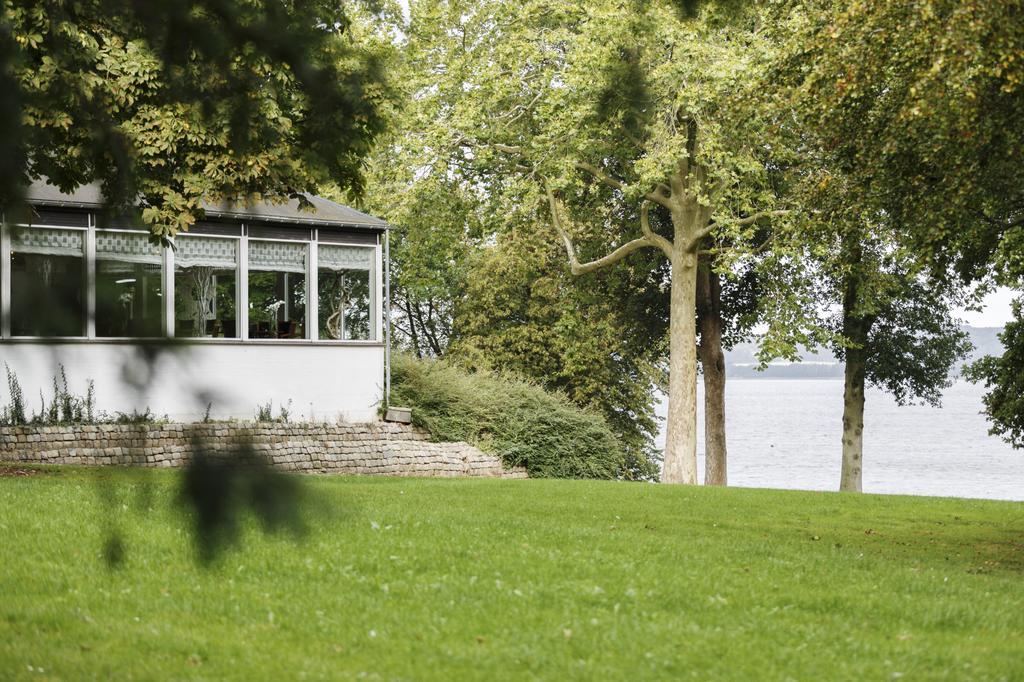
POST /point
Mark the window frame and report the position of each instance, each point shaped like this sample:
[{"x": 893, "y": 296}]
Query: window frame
[
  {"x": 167, "y": 265},
  {"x": 241, "y": 316},
  {"x": 92, "y": 270},
  {"x": 310, "y": 334},
  {"x": 6, "y": 295},
  {"x": 375, "y": 283}
]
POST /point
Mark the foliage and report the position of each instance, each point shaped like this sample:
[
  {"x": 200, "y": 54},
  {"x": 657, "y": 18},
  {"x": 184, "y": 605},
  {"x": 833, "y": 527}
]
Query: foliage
[
  {"x": 176, "y": 102},
  {"x": 523, "y": 313},
  {"x": 918, "y": 111},
  {"x": 516, "y": 420},
  {"x": 896, "y": 319},
  {"x": 922, "y": 109},
  {"x": 219, "y": 489},
  {"x": 545, "y": 579},
  {"x": 146, "y": 416},
  {"x": 66, "y": 407},
  {"x": 913, "y": 344},
  {"x": 1004, "y": 402},
  {"x": 464, "y": 250}
]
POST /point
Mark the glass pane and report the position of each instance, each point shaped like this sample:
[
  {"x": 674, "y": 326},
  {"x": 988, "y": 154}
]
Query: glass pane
[
  {"x": 344, "y": 304},
  {"x": 277, "y": 290},
  {"x": 47, "y": 282},
  {"x": 128, "y": 285},
  {"x": 205, "y": 281}
]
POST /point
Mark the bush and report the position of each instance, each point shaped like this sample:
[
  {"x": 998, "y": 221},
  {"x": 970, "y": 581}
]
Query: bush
[{"x": 507, "y": 416}]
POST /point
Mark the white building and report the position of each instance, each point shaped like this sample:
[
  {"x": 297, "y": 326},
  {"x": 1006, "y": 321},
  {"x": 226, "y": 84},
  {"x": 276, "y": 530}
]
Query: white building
[{"x": 263, "y": 303}]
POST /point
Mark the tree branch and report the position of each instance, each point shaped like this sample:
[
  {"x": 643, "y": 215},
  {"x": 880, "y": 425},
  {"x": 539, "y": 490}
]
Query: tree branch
[
  {"x": 614, "y": 183},
  {"x": 657, "y": 195},
  {"x": 615, "y": 256},
  {"x": 758, "y": 216},
  {"x": 696, "y": 238},
  {"x": 655, "y": 239}
]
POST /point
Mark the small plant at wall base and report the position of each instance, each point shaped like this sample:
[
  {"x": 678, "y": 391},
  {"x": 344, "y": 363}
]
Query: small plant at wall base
[
  {"x": 13, "y": 414},
  {"x": 65, "y": 407},
  {"x": 265, "y": 413},
  {"x": 135, "y": 417}
]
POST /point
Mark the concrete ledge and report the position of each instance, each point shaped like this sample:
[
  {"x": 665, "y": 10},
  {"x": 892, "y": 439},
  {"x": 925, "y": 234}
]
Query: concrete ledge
[{"x": 375, "y": 448}]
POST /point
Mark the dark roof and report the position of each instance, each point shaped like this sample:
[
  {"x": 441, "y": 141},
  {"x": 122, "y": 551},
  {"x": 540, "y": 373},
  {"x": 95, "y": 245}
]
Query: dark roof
[{"x": 326, "y": 213}]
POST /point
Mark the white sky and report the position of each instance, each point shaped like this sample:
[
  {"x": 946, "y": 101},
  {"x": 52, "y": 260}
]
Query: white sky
[{"x": 996, "y": 312}]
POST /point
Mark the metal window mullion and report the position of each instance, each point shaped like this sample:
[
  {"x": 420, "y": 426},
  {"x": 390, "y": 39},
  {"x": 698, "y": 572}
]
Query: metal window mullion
[
  {"x": 376, "y": 278},
  {"x": 90, "y": 278},
  {"x": 312, "y": 291},
  {"x": 242, "y": 287},
  {"x": 168, "y": 286},
  {"x": 5, "y": 279},
  {"x": 387, "y": 317}
]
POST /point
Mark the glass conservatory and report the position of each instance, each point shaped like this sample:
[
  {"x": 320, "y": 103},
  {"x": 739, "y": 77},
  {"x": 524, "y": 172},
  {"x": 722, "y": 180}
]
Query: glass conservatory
[{"x": 273, "y": 302}]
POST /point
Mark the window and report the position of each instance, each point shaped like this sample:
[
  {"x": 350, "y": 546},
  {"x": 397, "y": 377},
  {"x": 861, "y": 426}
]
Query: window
[
  {"x": 205, "y": 287},
  {"x": 344, "y": 284},
  {"x": 128, "y": 288},
  {"x": 277, "y": 290},
  {"x": 47, "y": 282},
  {"x": 62, "y": 280}
]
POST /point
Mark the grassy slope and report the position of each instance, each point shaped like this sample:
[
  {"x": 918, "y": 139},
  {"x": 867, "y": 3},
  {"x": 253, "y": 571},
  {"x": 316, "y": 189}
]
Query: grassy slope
[{"x": 463, "y": 579}]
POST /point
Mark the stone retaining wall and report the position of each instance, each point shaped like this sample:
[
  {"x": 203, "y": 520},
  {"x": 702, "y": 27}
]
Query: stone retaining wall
[{"x": 372, "y": 448}]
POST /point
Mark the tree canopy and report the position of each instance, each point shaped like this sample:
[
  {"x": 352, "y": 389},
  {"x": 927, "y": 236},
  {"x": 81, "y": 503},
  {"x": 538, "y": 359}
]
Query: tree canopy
[{"x": 167, "y": 104}]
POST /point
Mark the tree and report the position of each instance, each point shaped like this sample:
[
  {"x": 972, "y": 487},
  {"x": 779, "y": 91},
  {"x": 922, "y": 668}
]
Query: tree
[
  {"x": 685, "y": 154},
  {"x": 729, "y": 308},
  {"x": 894, "y": 330},
  {"x": 167, "y": 104},
  {"x": 621, "y": 112},
  {"x": 921, "y": 107},
  {"x": 476, "y": 277},
  {"x": 522, "y": 312},
  {"x": 1004, "y": 402}
]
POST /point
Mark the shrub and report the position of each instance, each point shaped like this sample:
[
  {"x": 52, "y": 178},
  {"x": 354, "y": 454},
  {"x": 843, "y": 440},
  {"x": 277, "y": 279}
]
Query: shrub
[{"x": 508, "y": 416}]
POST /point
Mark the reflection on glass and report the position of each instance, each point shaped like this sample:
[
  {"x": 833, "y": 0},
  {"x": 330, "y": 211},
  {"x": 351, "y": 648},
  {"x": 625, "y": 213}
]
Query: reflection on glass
[
  {"x": 343, "y": 302},
  {"x": 277, "y": 290},
  {"x": 47, "y": 281},
  {"x": 128, "y": 287},
  {"x": 205, "y": 279}
]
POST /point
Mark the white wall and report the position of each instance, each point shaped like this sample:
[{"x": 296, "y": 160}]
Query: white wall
[{"x": 323, "y": 381}]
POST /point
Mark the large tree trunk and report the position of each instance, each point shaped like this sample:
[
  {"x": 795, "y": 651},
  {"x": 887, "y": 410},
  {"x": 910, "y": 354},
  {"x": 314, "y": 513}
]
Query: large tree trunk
[
  {"x": 681, "y": 432},
  {"x": 712, "y": 360},
  {"x": 856, "y": 328},
  {"x": 853, "y": 421}
]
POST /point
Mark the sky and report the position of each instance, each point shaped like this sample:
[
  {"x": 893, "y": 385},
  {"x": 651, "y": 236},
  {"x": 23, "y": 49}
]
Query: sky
[{"x": 996, "y": 312}]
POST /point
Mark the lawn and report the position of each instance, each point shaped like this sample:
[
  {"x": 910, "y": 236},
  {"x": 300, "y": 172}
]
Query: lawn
[{"x": 489, "y": 579}]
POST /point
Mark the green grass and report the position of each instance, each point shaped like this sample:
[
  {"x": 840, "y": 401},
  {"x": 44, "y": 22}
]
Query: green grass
[{"x": 491, "y": 579}]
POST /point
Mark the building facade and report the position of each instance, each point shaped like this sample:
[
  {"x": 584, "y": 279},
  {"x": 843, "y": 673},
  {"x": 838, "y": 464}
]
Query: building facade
[{"x": 254, "y": 304}]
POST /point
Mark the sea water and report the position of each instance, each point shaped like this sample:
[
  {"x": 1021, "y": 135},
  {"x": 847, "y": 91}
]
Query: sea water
[{"x": 786, "y": 433}]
